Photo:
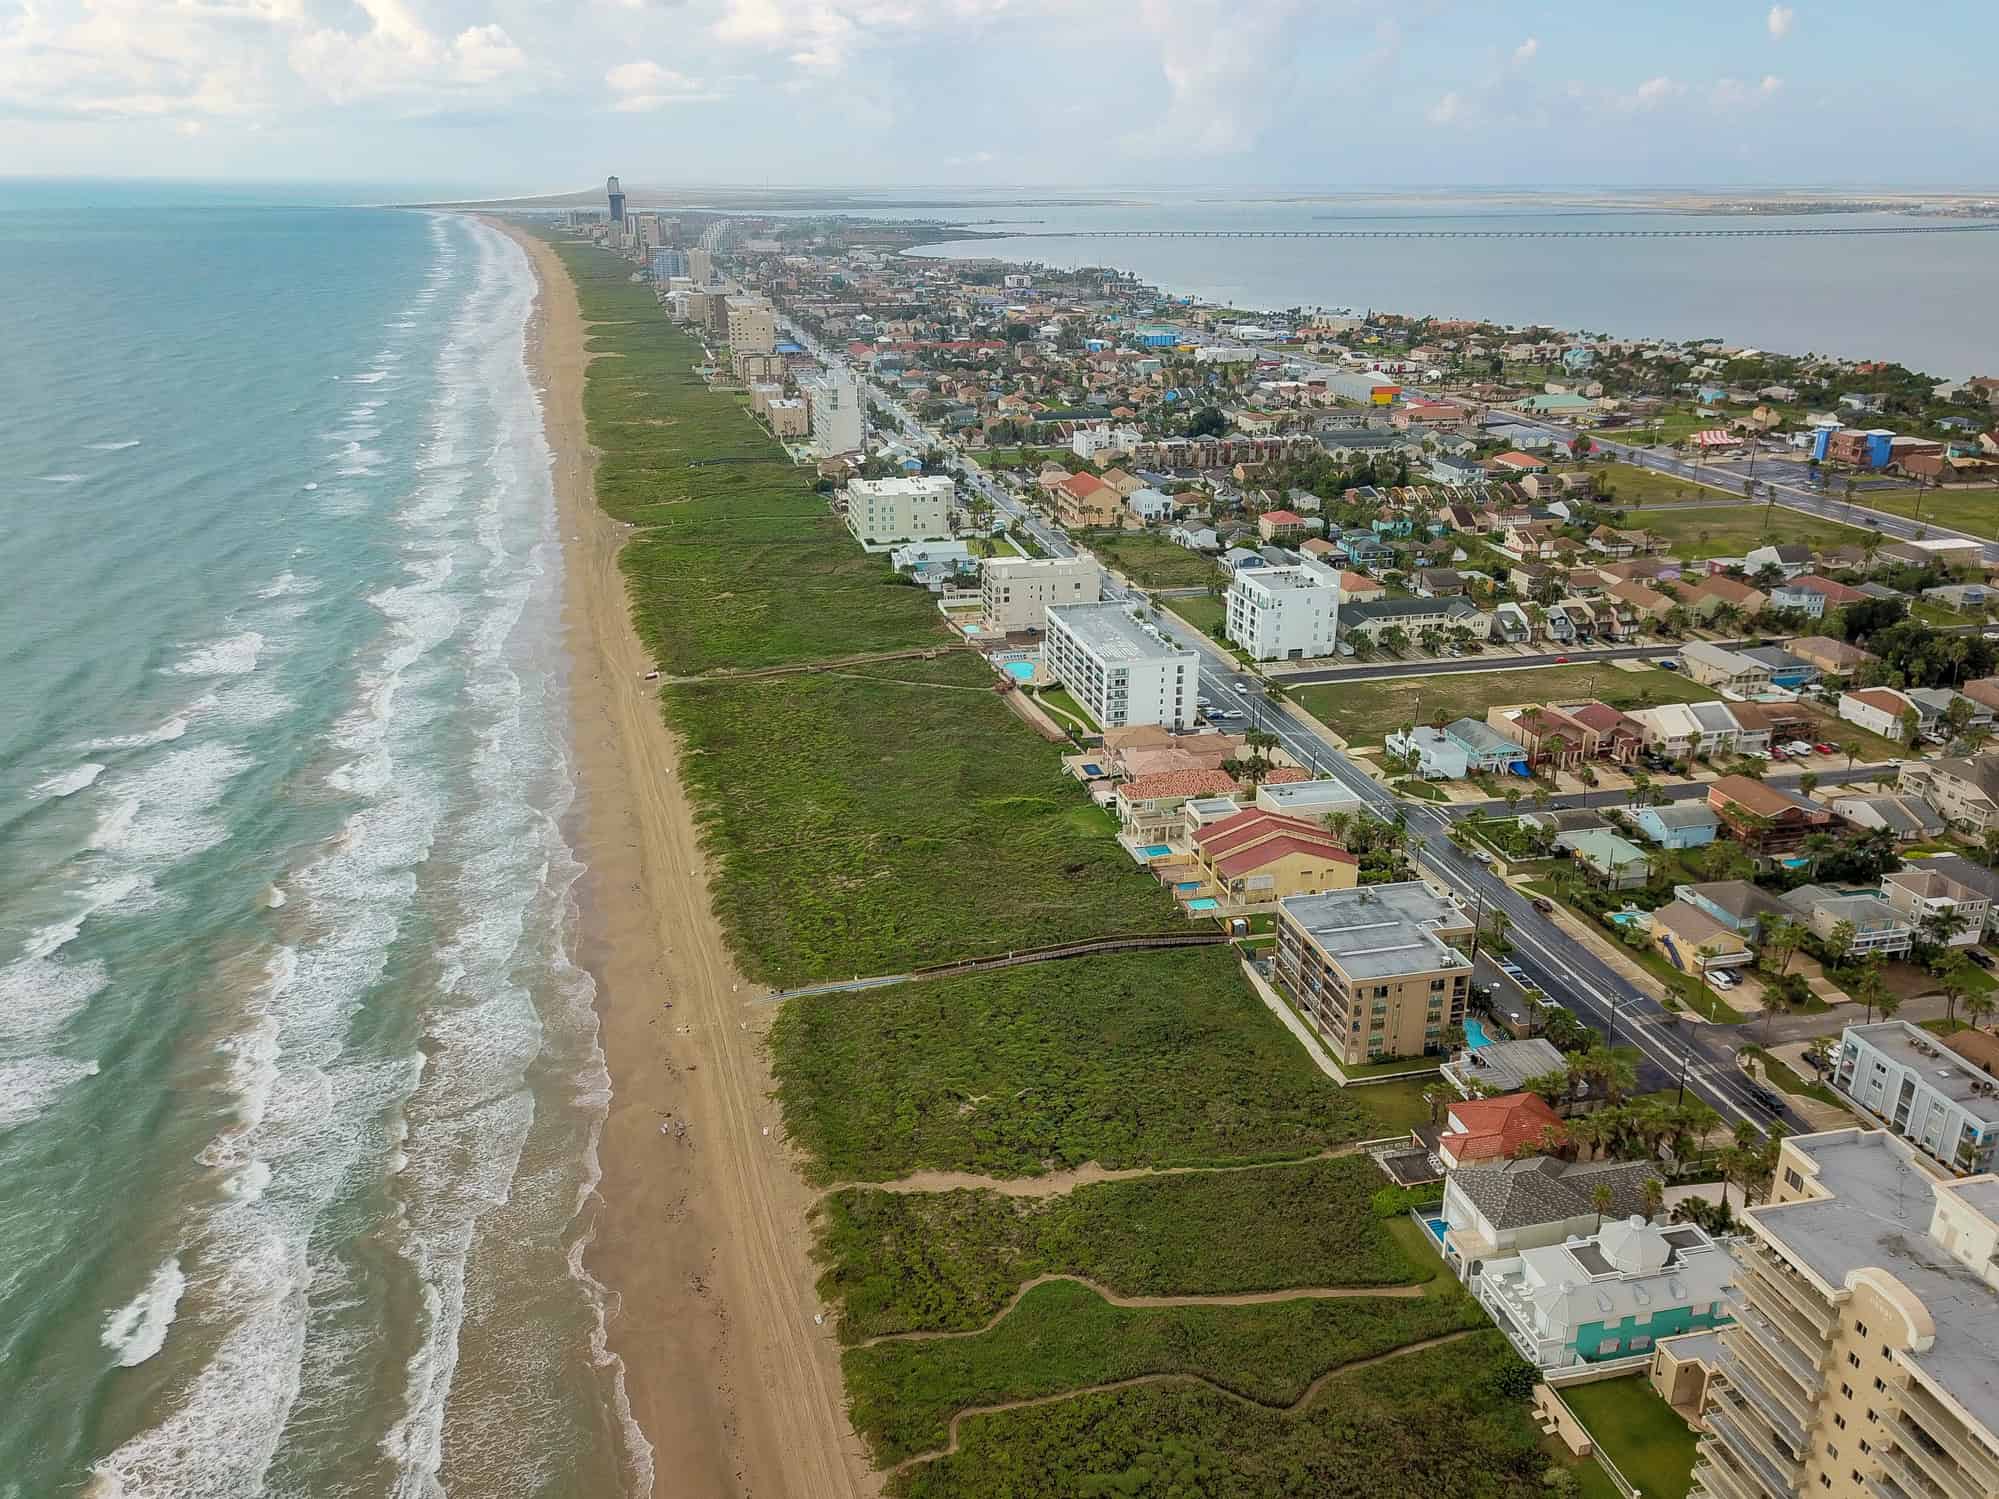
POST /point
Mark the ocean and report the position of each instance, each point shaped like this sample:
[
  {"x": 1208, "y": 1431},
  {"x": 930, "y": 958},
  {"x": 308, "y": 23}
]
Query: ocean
[
  {"x": 1919, "y": 299},
  {"x": 299, "y": 1087}
]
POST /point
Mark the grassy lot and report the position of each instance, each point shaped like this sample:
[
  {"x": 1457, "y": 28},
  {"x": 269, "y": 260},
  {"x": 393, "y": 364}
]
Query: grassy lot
[
  {"x": 894, "y": 816},
  {"x": 1650, "y": 1444},
  {"x": 1636, "y": 488},
  {"x": 1974, "y": 511},
  {"x": 1027, "y": 458},
  {"x": 1438, "y": 1421},
  {"x": 1783, "y": 1077},
  {"x": 1364, "y": 712},
  {"x": 1062, "y": 703},
  {"x": 1149, "y": 559},
  {"x": 1730, "y": 532},
  {"x": 1399, "y": 1104},
  {"x": 1140, "y": 1059},
  {"x": 948, "y": 1261},
  {"x": 1064, "y": 1336},
  {"x": 1203, "y": 611}
]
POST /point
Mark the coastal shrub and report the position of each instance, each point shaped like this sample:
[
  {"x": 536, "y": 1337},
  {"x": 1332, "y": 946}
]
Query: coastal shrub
[
  {"x": 1134, "y": 1059},
  {"x": 949, "y": 1261},
  {"x": 1064, "y": 1336},
  {"x": 1395, "y": 1202},
  {"x": 1428, "y": 1422}
]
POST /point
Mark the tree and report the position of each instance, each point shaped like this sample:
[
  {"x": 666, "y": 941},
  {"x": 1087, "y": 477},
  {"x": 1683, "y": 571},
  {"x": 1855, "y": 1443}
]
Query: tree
[
  {"x": 1600, "y": 1197},
  {"x": 1209, "y": 421},
  {"x": 1978, "y": 1008},
  {"x": 1839, "y": 943},
  {"x": 1952, "y": 980},
  {"x": 1655, "y": 1197},
  {"x": 1888, "y": 1004}
]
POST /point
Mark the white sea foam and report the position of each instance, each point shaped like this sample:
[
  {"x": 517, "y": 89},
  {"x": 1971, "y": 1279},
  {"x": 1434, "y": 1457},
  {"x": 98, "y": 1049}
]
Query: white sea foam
[
  {"x": 113, "y": 447},
  {"x": 274, "y": 897},
  {"x": 166, "y": 733},
  {"x": 62, "y": 478},
  {"x": 248, "y": 1184},
  {"x": 138, "y": 1330},
  {"x": 310, "y": 486},
  {"x": 177, "y": 796},
  {"x": 286, "y": 585},
  {"x": 372, "y": 377},
  {"x": 28, "y": 1088},
  {"x": 68, "y": 782},
  {"x": 114, "y": 826},
  {"x": 221, "y": 658}
]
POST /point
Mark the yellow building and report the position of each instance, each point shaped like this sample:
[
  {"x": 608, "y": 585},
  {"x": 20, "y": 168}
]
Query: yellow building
[
  {"x": 1863, "y": 1362},
  {"x": 1372, "y": 968}
]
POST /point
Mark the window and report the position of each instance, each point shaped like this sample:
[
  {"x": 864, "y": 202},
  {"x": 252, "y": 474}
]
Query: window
[
  {"x": 1846, "y": 1390},
  {"x": 1793, "y": 1180},
  {"x": 1854, "y": 1359},
  {"x": 1830, "y": 1450},
  {"x": 1864, "y": 1448},
  {"x": 1840, "y": 1422},
  {"x": 1879, "y": 1383},
  {"x": 1861, "y": 1328}
]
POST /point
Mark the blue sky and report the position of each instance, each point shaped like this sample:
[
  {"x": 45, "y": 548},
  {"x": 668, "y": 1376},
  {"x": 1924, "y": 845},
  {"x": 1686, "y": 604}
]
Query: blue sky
[{"x": 516, "y": 95}]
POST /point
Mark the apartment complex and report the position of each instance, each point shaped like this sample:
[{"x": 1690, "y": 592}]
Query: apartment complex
[
  {"x": 1863, "y": 1362},
  {"x": 1924, "y": 1092},
  {"x": 835, "y": 403},
  {"x": 1373, "y": 968},
  {"x": 1121, "y": 670},
  {"x": 1016, "y": 591},
  {"x": 884, "y": 512},
  {"x": 752, "y": 326},
  {"x": 1283, "y": 613}
]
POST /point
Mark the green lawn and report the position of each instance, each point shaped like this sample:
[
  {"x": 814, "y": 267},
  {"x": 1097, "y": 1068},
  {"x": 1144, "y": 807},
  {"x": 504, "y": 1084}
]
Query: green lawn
[
  {"x": 1974, "y": 511},
  {"x": 1366, "y": 711},
  {"x": 1435, "y": 1422},
  {"x": 1735, "y": 530},
  {"x": 1787, "y": 1079},
  {"x": 1138, "y": 1059},
  {"x": 1064, "y": 1336},
  {"x": 1636, "y": 489},
  {"x": 1203, "y": 611},
  {"x": 1149, "y": 559},
  {"x": 900, "y": 1262},
  {"x": 1062, "y": 703},
  {"x": 1400, "y": 1104},
  {"x": 1648, "y": 1441}
]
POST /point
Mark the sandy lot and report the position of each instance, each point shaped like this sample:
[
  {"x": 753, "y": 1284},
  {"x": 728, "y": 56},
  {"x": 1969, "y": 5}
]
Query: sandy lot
[{"x": 703, "y": 1232}]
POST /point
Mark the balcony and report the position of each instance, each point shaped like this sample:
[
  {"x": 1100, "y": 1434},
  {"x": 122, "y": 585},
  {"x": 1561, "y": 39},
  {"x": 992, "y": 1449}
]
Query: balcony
[
  {"x": 1935, "y": 1466},
  {"x": 1719, "y": 1474},
  {"x": 1740, "y": 1428},
  {"x": 1811, "y": 1310},
  {"x": 1798, "y": 1380},
  {"x": 1910, "y": 1478},
  {"x": 1752, "y": 1378},
  {"x": 1922, "y": 1413}
]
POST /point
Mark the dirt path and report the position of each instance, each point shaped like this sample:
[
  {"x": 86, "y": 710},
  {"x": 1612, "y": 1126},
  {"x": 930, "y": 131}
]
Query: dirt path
[
  {"x": 1311, "y": 1393},
  {"x": 701, "y": 1236},
  {"x": 1234, "y": 1298},
  {"x": 1062, "y": 1183}
]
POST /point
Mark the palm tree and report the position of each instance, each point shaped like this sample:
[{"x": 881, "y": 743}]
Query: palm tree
[
  {"x": 1979, "y": 1007},
  {"x": 1952, "y": 981},
  {"x": 1818, "y": 845},
  {"x": 1869, "y": 989},
  {"x": 1851, "y": 749},
  {"x": 1600, "y": 1198},
  {"x": 1655, "y": 1197}
]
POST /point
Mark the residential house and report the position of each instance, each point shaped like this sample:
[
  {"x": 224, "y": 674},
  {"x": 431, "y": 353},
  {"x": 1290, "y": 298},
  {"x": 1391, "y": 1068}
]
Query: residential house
[
  {"x": 1684, "y": 731},
  {"x": 1548, "y": 735},
  {"x": 1501, "y": 1067},
  {"x": 1308, "y": 798},
  {"x": 1879, "y": 929},
  {"x": 1280, "y": 525},
  {"x": 1254, "y": 858},
  {"x": 1934, "y": 706},
  {"x": 1365, "y": 549},
  {"x": 1149, "y": 807},
  {"x": 1786, "y": 671},
  {"x": 1738, "y": 905},
  {"x": 1833, "y": 657},
  {"x": 1512, "y": 624},
  {"x": 1438, "y": 583},
  {"x": 1677, "y": 824},
  {"x": 1908, "y": 819},
  {"x": 1558, "y": 821},
  {"x": 1359, "y": 588},
  {"x": 1813, "y": 596},
  {"x": 1931, "y": 900},
  {"x": 1763, "y": 819},
  {"x": 1789, "y": 558},
  {"x": 1707, "y": 597},
  {"x": 1452, "y": 751},
  {"x": 1983, "y": 690},
  {"x": 1694, "y": 942},
  {"x": 1478, "y": 1130},
  {"x": 1647, "y": 603},
  {"x": 1973, "y": 875},
  {"x": 1616, "y": 737},
  {"x": 1880, "y": 710},
  {"x": 1965, "y": 791},
  {"x": 1497, "y": 1210},
  {"x": 1717, "y": 666},
  {"x": 1614, "y": 863},
  {"x": 1925, "y": 1093}
]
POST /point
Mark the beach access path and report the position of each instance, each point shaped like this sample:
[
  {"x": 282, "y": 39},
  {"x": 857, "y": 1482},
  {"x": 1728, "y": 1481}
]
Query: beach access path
[{"x": 702, "y": 1235}]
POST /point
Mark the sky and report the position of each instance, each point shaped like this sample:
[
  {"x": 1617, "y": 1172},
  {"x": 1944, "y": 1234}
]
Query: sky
[{"x": 515, "y": 96}]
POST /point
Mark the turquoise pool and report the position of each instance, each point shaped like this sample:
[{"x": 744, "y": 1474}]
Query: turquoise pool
[
  {"x": 1626, "y": 918},
  {"x": 1795, "y": 863},
  {"x": 1156, "y": 850},
  {"x": 1205, "y": 903},
  {"x": 1475, "y": 1032},
  {"x": 1020, "y": 671},
  {"x": 1436, "y": 1226}
]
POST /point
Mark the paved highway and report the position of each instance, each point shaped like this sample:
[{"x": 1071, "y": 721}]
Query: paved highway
[{"x": 1681, "y": 791}]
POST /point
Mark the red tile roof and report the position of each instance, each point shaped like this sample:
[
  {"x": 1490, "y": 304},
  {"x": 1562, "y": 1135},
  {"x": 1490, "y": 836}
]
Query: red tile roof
[
  {"x": 1083, "y": 486},
  {"x": 1232, "y": 833},
  {"x": 1285, "y": 775},
  {"x": 1522, "y": 461},
  {"x": 1181, "y": 783},
  {"x": 1494, "y": 1128},
  {"x": 1262, "y": 854},
  {"x": 1835, "y": 593},
  {"x": 1284, "y": 518}
]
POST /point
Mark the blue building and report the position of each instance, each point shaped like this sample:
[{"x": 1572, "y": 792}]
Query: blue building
[
  {"x": 1678, "y": 824},
  {"x": 1154, "y": 336},
  {"x": 667, "y": 262}
]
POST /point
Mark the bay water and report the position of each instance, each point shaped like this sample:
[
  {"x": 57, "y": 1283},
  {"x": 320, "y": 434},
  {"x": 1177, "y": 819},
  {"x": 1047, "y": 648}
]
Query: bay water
[{"x": 299, "y": 1088}]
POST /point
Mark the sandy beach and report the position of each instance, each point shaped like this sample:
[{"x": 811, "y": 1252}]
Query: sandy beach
[{"x": 703, "y": 1235}]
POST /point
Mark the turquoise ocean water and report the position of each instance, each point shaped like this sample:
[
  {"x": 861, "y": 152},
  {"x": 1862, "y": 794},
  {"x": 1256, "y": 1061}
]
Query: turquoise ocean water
[{"x": 299, "y": 1090}]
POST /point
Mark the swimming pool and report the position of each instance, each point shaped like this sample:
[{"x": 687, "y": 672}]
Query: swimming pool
[
  {"x": 1205, "y": 903},
  {"x": 1156, "y": 850},
  {"x": 1436, "y": 1226},
  {"x": 1627, "y": 918},
  {"x": 1020, "y": 671},
  {"x": 1795, "y": 863},
  {"x": 1475, "y": 1032}
]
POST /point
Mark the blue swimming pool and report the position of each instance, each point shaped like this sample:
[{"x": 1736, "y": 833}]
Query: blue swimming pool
[
  {"x": 1093, "y": 771},
  {"x": 1156, "y": 850},
  {"x": 1475, "y": 1032},
  {"x": 1436, "y": 1226},
  {"x": 1626, "y": 918},
  {"x": 1205, "y": 903},
  {"x": 1188, "y": 885},
  {"x": 1795, "y": 863},
  {"x": 1020, "y": 671}
]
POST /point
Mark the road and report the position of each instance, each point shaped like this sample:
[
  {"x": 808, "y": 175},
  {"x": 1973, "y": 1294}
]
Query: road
[
  {"x": 1562, "y": 967},
  {"x": 1679, "y": 791},
  {"x": 1578, "y": 657}
]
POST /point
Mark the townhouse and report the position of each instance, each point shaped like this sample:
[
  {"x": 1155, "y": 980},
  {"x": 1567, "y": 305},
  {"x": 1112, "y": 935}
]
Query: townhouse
[
  {"x": 1764, "y": 820},
  {"x": 1930, "y": 899},
  {"x": 1730, "y": 671}
]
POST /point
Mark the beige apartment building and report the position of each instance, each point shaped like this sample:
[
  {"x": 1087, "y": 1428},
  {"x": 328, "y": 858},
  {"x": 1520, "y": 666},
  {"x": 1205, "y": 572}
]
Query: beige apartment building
[
  {"x": 1016, "y": 591},
  {"x": 1373, "y": 968},
  {"x": 752, "y": 326},
  {"x": 1863, "y": 1362}
]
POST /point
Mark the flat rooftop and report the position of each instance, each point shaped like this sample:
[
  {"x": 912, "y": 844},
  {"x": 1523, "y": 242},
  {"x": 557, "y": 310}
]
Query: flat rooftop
[
  {"x": 1281, "y": 579},
  {"x": 1942, "y": 1070},
  {"x": 1297, "y": 794},
  {"x": 1378, "y": 931},
  {"x": 1111, "y": 632},
  {"x": 1879, "y": 1216}
]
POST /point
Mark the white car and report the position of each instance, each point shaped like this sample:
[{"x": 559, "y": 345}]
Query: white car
[{"x": 1798, "y": 747}]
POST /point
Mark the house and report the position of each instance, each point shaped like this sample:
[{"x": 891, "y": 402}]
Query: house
[
  {"x": 1738, "y": 905},
  {"x": 1148, "y": 807},
  {"x": 1548, "y": 735},
  {"x": 1083, "y": 501},
  {"x": 1907, "y": 819},
  {"x": 1930, "y": 1096},
  {"x": 1833, "y": 657},
  {"x": 1693, "y": 942},
  {"x": 1647, "y": 603},
  {"x": 1677, "y": 824},
  {"x": 1786, "y": 670},
  {"x": 1935, "y": 705},
  {"x": 1280, "y": 525},
  {"x": 1931, "y": 900},
  {"x": 1965, "y": 791},
  {"x": 1682, "y": 731},
  {"x": 1500, "y": 1209},
  {"x": 1813, "y": 596},
  {"x": 1705, "y": 598},
  {"x": 1880, "y": 710},
  {"x": 1615, "y": 736},
  {"x": 1512, "y": 624},
  {"x": 1254, "y": 858},
  {"x": 1514, "y": 464},
  {"x": 1983, "y": 690},
  {"x": 1717, "y": 666},
  {"x": 1972, "y": 875},
  {"x": 1498, "y": 1129},
  {"x": 1501, "y": 1066},
  {"x": 1614, "y": 863},
  {"x": 1438, "y": 583},
  {"x": 1364, "y": 548},
  {"x": 1568, "y": 820},
  {"x": 1790, "y": 559},
  {"x": 1608, "y": 1294},
  {"x": 1359, "y": 588},
  {"x": 1763, "y": 819},
  {"x": 1878, "y": 928},
  {"x": 1452, "y": 751}
]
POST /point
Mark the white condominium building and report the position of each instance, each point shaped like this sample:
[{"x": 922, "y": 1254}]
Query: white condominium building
[
  {"x": 887, "y": 512},
  {"x": 1121, "y": 670},
  {"x": 835, "y": 403},
  {"x": 752, "y": 326},
  {"x": 1017, "y": 591},
  {"x": 1283, "y": 613}
]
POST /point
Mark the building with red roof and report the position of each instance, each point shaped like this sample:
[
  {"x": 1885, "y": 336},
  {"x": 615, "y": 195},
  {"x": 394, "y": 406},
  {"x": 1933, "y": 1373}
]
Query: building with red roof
[
  {"x": 1280, "y": 525},
  {"x": 1481, "y": 1130}
]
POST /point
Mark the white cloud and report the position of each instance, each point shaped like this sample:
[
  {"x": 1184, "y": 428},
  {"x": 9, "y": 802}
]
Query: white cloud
[
  {"x": 1780, "y": 21},
  {"x": 1447, "y": 110},
  {"x": 644, "y": 85},
  {"x": 819, "y": 36},
  {"x": 399, "y": 55},
  {"x": 1526, "y": 50},
  {"x": 1654, "y": 91},
  {"x": 1732, "y": 94},
  {"x": 1225, "y": 66}
]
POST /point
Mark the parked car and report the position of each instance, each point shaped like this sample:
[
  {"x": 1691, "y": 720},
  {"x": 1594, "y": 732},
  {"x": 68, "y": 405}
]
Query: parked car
[
  {"x": 1764, "y": 1098},
  {"x": 1547, "y": 907},
  {"x": 1668, "y": 663},
  {"x": 1825, "y": 749},
  {"x": 1979, "y": 956}
]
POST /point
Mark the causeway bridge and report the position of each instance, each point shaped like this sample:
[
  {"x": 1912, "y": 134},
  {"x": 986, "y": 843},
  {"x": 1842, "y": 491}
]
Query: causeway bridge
[{"x": 1821, "y": 231}]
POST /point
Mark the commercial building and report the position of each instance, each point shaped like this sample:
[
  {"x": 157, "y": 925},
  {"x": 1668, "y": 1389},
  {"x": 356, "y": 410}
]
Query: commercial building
[
  {"x": 788, "y": 417},
  {"x": 1373, "y": 968},
  {"x": 882, "y": 512},
  {"x": 1283, "y": 613},
  {"x": 1015, "y": 592},
  {"x": 835, "y": 402},
  {"x": 1121, "y": 670},
  {"x": 1930, "y": 1096},
  {"x": 1863, "y": 1361}
]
